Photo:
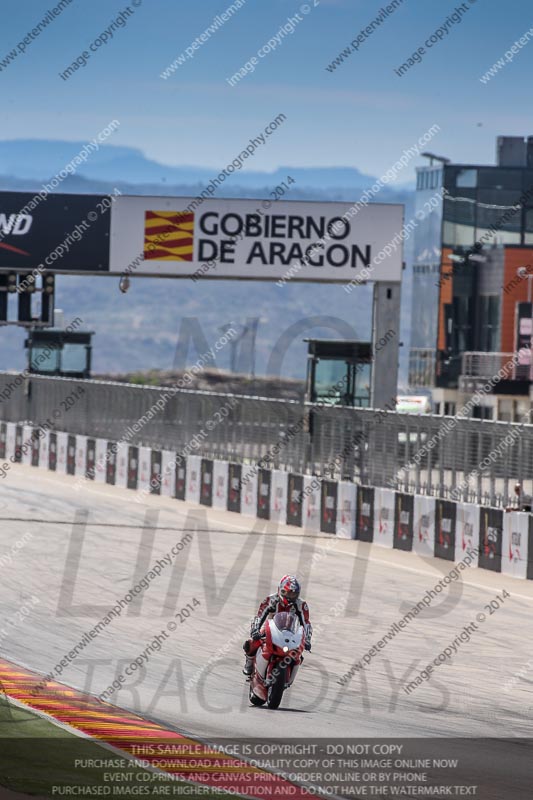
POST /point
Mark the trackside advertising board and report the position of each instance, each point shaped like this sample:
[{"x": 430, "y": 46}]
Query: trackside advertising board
[
  {"x": 181, "y": 237},
  {"x": 252, "y": 239},
  {"x": 57, "y": 233}
]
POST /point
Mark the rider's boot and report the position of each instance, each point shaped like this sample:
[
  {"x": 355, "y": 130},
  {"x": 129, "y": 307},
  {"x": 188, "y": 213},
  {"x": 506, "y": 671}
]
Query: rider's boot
[{"x": 248, "y": 666}]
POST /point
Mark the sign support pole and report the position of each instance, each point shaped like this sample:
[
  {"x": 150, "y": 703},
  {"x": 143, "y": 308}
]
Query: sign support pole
[{"x": 385, "y": 344}]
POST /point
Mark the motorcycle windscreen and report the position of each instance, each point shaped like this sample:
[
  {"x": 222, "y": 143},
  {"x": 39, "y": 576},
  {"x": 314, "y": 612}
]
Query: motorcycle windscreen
[{"x": 285, "y": 621}]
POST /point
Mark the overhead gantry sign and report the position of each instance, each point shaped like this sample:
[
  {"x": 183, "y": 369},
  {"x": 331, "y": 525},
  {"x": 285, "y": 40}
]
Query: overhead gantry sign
[
  {"x": 191, "y": 237},
  {"x": 186, "y": 237}
]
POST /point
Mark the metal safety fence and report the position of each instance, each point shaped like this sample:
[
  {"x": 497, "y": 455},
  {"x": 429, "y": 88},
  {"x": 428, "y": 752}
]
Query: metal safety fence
[{"x": 454, "y": 458}]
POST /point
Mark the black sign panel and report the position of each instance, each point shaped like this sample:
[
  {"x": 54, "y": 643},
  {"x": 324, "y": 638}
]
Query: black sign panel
[
  {"x": 295, "y": 498},
  {"x": 18, "y": 444},
  {"x": 133, "y": 467},
  {"x": 71, "y": 455},
  {"x": 328, "y": 507},
  {"x": 206, "y": 482},
  {"x": 181, "y": 478},
  {"x": 264, "y": 483},
  {"x": 403, "y": 521},
  {"x": 52, "y": 451},
  {"x": 90, "y": 464},
  {"x": 3, "y": 439},
  {"x": 490, "y": 538},
  {"x": 156, "y": 462},
  {"x": 30, "y": 231},
  {"x": 445, "y": 518},
  {"x": 35, "y": 447},
  {"x": 234, "y": 487},
  {"x": 364, "y": 528},
  {"x": 111, "y": 463}
]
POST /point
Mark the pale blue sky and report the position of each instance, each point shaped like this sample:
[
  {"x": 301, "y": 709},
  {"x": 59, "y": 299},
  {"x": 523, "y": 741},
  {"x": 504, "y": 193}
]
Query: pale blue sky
[{"x": 361, "y": 115}]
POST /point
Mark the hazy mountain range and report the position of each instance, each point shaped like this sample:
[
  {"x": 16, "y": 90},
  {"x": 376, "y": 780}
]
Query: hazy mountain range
[
  {"x": 140, "y": 330},
  {"x": 36, "y": 159}
]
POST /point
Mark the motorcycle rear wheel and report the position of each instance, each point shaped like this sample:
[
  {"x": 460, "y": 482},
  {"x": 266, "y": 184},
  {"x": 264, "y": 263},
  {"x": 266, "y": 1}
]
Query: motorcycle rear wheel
[{"x": 275, "y": 690}]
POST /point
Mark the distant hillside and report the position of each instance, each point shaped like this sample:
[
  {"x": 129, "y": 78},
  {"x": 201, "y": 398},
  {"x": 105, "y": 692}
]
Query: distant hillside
[{"x": 36, "y": 159}]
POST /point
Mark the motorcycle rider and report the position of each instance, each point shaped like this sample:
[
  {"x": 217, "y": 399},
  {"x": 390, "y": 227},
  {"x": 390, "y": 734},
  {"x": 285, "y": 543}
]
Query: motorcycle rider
[{"x": 286, "y": 598}]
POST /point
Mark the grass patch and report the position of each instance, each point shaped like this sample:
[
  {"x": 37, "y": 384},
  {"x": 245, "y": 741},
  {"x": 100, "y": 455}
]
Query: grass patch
[{"x": 40, "y": 758}]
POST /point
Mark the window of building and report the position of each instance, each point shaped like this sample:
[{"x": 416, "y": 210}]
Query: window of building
[
  {"x": 522, "y": 410},
  {"x": 461, "y": 326},
  {"x": 505, "y": 412},
  {"x": 489, "y": 323},
  {"x": 482, "y": 412},
  {"x": 436, "y": 177},
  {"x": 499, "y": 211},
  {"x": 466, "y": 179},
  {"x": 460, "y": 218},
  {"x": 500, "y": 179},
  {"x": 449, "y": 409}
]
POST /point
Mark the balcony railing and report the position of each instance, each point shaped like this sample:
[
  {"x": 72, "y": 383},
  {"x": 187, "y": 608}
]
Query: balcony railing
[
  {"x": 502, "y": 366},
  {"x": 422, "y": 366}
]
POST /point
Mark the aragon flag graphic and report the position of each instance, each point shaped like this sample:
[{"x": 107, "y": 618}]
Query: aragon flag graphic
[{"x": 168, "y": 235}]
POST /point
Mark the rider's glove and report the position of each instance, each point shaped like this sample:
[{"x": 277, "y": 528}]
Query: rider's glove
[
  {"x": 308, "y": 645},
  {"x": 256, "y": 634}
]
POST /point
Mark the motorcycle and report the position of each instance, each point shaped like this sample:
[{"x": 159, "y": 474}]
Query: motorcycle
[{"x": 277, "y": 660}]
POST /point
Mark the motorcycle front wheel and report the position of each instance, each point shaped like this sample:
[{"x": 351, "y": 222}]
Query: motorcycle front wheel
[
  {"x": 254, "y": 699},
  {"x": 275, "y": 690}
]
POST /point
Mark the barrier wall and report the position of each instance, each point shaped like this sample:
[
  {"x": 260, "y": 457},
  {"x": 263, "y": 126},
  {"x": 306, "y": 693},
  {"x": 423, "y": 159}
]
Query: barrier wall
[
  {"x": 424, "y": 537},
  {"x": 346, "y": 510},
  {"x": 428, "y": 526}
]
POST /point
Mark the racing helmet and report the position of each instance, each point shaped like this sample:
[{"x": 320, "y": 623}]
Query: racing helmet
[{"x": 288, "y": 590}]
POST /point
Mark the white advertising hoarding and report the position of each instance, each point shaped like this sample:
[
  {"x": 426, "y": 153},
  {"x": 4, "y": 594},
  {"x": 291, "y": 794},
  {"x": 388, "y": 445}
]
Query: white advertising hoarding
[
  {"x": 10, "y": 440},
  {"x": 121, "y": 474},
  {"x": 193, "y": 479},
  {"x": 278, "y": 496},
  {"x": 384, "y": 500},
  {"x": 424, "y": 526},
  {"x": 44, "y": 448},
  {"x": 311, "y": 504},
  {"x": 101, "y": 461},
  {"x": 168, "y": 473},
  {"x": 249, "y": 493},
  {"x": 81, "y": 455},
  {"x": 467, "y": 531},
  {"x": 62, "y": 443},
  {"x": 346, "y": 508},
  {"x": 143, "y": 480},
  {"x": 27, "y": 438},
  {"x": 218, "y": 238},
  {"x": 515, "y": 537},
  {"x": 220, "y": 484}
]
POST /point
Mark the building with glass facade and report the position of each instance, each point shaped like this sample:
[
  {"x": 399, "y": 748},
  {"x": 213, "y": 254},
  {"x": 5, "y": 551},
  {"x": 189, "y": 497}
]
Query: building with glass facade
[{"x": 472, "y": 273}]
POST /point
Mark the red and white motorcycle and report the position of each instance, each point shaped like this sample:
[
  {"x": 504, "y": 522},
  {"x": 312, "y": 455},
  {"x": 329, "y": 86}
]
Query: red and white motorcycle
[{"x": 277, "y": 660}]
